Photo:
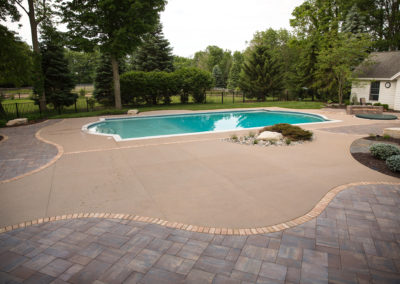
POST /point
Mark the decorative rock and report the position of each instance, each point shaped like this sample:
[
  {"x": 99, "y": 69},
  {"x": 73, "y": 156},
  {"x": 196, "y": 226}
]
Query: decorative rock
[
  {"x": 270, "y": 136},
  {"x": 133, "y": 112},
  {"x": 17, "y": 121},
  {"x": 393, "y": 132}
]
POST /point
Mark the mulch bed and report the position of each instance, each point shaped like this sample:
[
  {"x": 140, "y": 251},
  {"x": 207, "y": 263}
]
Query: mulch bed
[{"x": 373, "y": 163}]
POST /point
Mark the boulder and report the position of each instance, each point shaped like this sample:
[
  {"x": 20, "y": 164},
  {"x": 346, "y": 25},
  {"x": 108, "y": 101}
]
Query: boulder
[
  {"x": 393, "y": 132},
  {"x": 133, "y": 112},
  {"x": 17, "y": 121},
  {"x": 270, "y": 136}
]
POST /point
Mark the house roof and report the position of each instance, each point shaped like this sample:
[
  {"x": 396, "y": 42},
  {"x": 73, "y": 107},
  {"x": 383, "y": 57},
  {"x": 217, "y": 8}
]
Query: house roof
[{"x": 384, "y": 65}]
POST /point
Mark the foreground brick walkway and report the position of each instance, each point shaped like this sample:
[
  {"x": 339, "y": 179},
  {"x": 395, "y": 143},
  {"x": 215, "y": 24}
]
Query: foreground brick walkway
[
  {"x": 355, "y": 240},
  {"x": 22, "y": 152}
]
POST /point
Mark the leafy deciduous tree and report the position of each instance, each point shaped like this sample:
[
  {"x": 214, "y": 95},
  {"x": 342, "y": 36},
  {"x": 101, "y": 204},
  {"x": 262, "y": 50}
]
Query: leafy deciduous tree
[{"x": 116, "y": 26}]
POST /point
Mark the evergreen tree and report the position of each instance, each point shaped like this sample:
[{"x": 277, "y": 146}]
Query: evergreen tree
[
  {"x": 217, "y": 75},
  {"x": 57, "y": 82},
  {"x": 354, "y": 22},
  {"x": 103, "y": 82},
  {"x": 234, "y": 73},
  {"x": 155, "y": 54},
  {"x": 261, "y": 75}
]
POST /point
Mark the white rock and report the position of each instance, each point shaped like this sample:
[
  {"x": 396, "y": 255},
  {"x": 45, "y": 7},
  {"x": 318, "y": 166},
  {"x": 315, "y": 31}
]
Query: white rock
[
  {"x": 393, "y": 132},
  {"x": 270, "y": 136},
  {"x": 133, "y": 112},
  {"x": 17, "y": 121}
]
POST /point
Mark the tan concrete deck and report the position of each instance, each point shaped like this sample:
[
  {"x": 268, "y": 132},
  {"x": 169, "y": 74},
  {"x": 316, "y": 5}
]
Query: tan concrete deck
[{"x": 195, "y": 179}]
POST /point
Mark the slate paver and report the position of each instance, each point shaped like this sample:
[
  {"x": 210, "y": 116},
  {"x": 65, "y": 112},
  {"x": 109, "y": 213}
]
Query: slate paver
[
  {"x": 22, "y": 152},
  {"x": 344, "y": 244}
]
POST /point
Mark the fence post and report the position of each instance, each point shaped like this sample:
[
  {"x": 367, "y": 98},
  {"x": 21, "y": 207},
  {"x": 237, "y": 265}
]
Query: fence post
[
  {"x": 16, "y": 107},
  {"x": 243, "y": 96},
  {"x": 87, "y": 105},
  {"x": 233, "y": 97},
  {"x": 75, "y": 107},
  {"x": 222, "y": 97},
  {"x": 205, "y": 98}
]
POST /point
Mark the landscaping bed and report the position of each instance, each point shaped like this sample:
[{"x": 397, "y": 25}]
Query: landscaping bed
[{"x": 368, "y": 160}]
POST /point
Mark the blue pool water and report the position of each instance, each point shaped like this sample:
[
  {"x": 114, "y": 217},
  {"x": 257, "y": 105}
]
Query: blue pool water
[{"x": 139, "y": 127}]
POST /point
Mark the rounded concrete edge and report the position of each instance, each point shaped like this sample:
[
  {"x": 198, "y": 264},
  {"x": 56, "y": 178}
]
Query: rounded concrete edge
[
  {"x": 60, "y": 152},
  {"x": 5, "y": 137},
  {"x": 316, "y": 211}
]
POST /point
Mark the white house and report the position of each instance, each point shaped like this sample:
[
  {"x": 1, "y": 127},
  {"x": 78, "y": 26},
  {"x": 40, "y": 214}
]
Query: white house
[{"x": 379, "y": 81}]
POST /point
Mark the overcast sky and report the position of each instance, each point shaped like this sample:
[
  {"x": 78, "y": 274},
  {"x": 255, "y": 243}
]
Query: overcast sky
[{"x": 192, "y": 25}]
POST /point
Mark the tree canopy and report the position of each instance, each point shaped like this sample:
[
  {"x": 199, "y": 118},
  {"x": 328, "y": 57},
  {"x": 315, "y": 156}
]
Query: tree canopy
[{"x": 115, "y": 26}]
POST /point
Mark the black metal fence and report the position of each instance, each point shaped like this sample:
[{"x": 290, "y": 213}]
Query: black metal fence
[{"x": 12, "y": 110}]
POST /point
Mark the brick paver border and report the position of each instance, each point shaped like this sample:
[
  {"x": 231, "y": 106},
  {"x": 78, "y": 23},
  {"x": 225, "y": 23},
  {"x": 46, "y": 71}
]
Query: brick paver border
[
  {"x": 317, "y": 210},
  {"x": 60, "y": 150}
]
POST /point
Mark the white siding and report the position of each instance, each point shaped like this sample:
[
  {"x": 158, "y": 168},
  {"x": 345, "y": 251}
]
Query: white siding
[
  {"x": 386, "y": 95},
  {"x": 397, "y": 96}
]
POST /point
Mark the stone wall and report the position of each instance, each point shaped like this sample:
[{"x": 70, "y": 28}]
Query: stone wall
[{"x": 357, "y": 109}]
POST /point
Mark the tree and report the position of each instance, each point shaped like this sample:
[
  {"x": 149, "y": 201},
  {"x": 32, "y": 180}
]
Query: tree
[
  {"x": 57, "y": 77},
  {"x": 155, "y": 54},
  {"x": 115, "y": 26},
  {"x": 234, "y": 73},
  {"x": 217, "y": 76},
  {"x": 103, "y": 82},
  {"x": 336, "y": 65},
  {"x": 211, "y": 56},
  {"x": 261, "y": 75},
  {"x": 182, "y": 62},
  {"x": 15, "y": 59},
  {"x": 82, "y": 65},
  {"x": 37, "y": 12},
  {"x": 354, "y": 22}
]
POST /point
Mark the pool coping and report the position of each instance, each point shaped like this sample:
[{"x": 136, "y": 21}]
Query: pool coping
[
  {"x": 117, "y": 138},
  {"x": 313, "y": 213}
]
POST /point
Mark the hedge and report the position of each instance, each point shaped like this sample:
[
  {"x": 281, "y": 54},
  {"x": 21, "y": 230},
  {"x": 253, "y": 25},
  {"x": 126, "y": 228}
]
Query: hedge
[{"x": 155, "y": 87}]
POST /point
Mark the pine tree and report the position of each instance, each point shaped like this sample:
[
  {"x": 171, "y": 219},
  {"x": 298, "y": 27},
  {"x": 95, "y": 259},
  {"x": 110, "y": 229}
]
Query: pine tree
[
  {"x": 103, "y": 82},
  {"x": 261, "y": 75},
  {"x": 155, "y": 54},
  {"x": 234, "y": 73},
  {"x": 57, "y": 77},
  {"x": 217, "y": 75},
  {"x": 354, "y": 22}
]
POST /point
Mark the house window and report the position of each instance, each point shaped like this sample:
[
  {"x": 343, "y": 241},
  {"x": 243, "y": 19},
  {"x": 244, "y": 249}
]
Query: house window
[{"x": 374, "y": 93}]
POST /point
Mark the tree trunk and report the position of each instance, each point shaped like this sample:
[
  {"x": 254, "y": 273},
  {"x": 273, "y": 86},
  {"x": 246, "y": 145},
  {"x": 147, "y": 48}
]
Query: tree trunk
[
  {"x": 36, "y": 50},
  {"x": 117, "y": 87}
]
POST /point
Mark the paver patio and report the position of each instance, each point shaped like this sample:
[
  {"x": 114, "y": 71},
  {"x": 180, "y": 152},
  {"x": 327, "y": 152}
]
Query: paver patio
[{"x": 355, "y": 240}]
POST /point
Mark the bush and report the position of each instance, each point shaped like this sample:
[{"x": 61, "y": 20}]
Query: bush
[
  {"x": 393, "y": 163},
  {"x": 385, "y": 106},
  {"x": 154, "y": 87},
  {"x": 294, "y": 133},
  {"x": 383, "y": 151},
  {"x": 82, "y": 93},
  {"x": 377, "y": 104}
]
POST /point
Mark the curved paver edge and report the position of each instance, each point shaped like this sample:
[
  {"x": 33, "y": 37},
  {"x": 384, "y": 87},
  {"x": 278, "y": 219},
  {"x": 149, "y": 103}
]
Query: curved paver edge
[
  {"x": 60, "y": 150},
  {"x": 313, "y": 213},
  {"x": 5, "y": 137}
]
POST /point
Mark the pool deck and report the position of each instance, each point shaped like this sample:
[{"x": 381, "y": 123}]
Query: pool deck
[
  {"x": 195, "y": 209},
  {"x": 197, "y": 180}
]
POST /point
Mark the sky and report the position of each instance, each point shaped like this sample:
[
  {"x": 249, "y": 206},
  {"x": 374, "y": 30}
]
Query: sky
[{"x": 192, "y": 25}]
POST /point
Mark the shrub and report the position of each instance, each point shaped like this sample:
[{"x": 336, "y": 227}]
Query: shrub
[
  {"x": 234, "y": 137},
  {"x": 252, "y": 134},
  {"x": 255, "y": 141},
  {"x": 82, "y": 92},
  {"x": 91, "y": 103},
  {"x": 383, "y": 151},
  {"x": 288, "y": 141},
  {"x": 393, "y": 163},
  {"x": 385, "y": 106},
  {"x": 294, "y": 133}
]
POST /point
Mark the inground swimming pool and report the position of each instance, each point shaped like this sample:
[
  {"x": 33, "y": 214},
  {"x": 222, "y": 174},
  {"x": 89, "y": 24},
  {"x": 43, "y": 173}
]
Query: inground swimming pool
[{"x": 194, "y": 123}]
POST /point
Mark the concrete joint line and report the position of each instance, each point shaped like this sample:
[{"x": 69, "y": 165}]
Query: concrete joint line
[{"x": 316, "y": 211}]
